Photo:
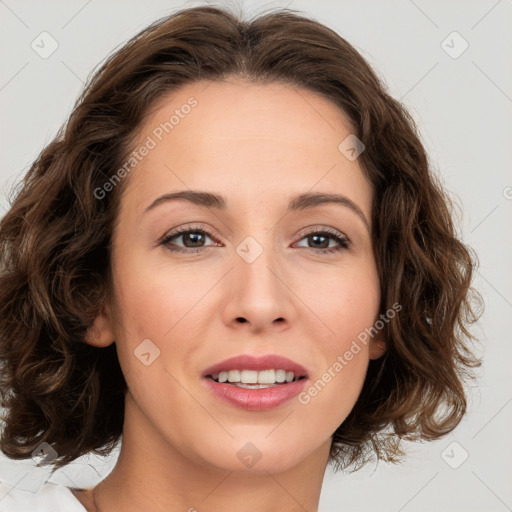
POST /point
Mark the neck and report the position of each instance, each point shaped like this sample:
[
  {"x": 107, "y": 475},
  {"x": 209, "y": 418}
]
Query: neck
[{"x": 154, "y": 476}]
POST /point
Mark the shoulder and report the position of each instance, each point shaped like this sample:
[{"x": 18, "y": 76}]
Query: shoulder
[{"x": 50, "y": 498}]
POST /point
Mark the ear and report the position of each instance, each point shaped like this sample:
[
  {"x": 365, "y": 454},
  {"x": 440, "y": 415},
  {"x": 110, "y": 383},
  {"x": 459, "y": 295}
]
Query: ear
[
  {"x": 378, "y": 346},
  {"x": 100, "y": 334}
]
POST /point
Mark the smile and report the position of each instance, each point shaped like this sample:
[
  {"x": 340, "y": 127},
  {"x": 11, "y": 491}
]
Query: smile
[{"x": 255, "y": 383}]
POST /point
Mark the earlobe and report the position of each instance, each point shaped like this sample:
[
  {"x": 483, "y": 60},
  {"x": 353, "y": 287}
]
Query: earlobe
[
  {"x": 378, "y": 348},
  {"x": 100, "y": 334}
]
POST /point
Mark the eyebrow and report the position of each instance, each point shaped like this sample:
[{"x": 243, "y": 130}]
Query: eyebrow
[{"x": 298, "y": 203}]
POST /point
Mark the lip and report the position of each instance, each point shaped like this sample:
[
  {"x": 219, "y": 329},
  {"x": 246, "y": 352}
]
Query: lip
[
  {"x": 256, "y": 399},
  {"x": 267, "y": 362}
]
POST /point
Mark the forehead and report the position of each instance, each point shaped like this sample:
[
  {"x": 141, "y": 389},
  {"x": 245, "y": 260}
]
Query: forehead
[
  {"x": 238, "y": 109},
  {"x": 257, "y": 136}
]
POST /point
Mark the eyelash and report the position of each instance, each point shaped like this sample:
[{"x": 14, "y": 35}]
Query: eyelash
[{"x": 342, "y": 240}]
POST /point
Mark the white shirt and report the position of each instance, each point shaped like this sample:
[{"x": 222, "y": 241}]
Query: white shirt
[{"x": 50, "y": 498}]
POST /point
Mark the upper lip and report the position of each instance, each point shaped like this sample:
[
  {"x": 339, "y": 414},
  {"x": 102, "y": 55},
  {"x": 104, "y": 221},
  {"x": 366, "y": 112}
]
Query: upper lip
[{"x": 266, "y": 362}]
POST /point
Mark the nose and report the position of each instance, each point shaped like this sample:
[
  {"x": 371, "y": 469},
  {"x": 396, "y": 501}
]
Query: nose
[{"x": 259, "y": 295}]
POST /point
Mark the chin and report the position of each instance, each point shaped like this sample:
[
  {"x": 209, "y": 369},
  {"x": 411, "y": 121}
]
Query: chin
[{"x": 256, "y": 456}]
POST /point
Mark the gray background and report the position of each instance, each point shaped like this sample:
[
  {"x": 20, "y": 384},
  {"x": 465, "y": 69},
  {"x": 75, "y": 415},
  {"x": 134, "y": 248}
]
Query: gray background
[{"x": 463, "y": 107}]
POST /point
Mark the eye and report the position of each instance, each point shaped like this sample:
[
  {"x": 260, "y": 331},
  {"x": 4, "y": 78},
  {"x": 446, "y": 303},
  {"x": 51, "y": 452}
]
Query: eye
[
  {"x": 321, "y": 241},
  {"x": 192, "y": 239}
]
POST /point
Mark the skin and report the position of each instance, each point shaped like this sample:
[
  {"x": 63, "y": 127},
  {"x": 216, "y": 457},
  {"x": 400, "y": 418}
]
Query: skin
[{"x": 258, "y": 146}]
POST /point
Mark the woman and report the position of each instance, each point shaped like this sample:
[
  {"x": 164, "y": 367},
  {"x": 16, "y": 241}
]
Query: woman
[{"x": 235, "y": 259}]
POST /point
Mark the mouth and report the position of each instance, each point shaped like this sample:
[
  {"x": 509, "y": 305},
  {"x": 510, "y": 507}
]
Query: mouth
[
  {"x": 254, "y": 379},
  {"x": 255, "y": 383}
]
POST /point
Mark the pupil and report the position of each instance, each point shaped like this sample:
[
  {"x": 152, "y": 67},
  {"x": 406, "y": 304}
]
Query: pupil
[
  {"x": 316, "y": 237},
  {"x": 196, "y": 237}
]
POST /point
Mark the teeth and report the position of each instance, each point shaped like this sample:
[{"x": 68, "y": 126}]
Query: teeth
[
  {"x": 247, "y": 377},
  {"x": 233, "y": 376},
  {"x": 254, "y": 377},
  {"x": 280, "y": 376},
  {"x": 254, "y": 386},
  {"x": 267, "y": 377}
]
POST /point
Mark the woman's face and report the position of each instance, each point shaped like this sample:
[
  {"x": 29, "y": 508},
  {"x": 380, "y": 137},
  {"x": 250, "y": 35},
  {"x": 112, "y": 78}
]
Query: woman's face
[{"x": 253, "y": 274}]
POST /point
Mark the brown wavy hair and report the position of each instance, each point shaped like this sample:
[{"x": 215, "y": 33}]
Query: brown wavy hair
[{"x": 55, "y": 241}]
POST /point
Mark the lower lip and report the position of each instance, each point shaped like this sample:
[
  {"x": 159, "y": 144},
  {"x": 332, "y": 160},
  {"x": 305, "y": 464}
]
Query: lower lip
[{"x": 256, "y": 399}]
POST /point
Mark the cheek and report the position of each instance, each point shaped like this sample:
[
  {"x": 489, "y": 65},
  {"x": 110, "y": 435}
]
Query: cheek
[
  {"x": 152, "y": 348},
  {"x": 333, "y": 391},
  {"x": 161, "y": 318},
  {"x": 345, "y": 299},
  {"x": 154, "y": 302},
  {"x": 347, "y": 303}
]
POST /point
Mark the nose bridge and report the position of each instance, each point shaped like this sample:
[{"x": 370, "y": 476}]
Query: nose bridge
[{"x": 258, "y": 264}]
